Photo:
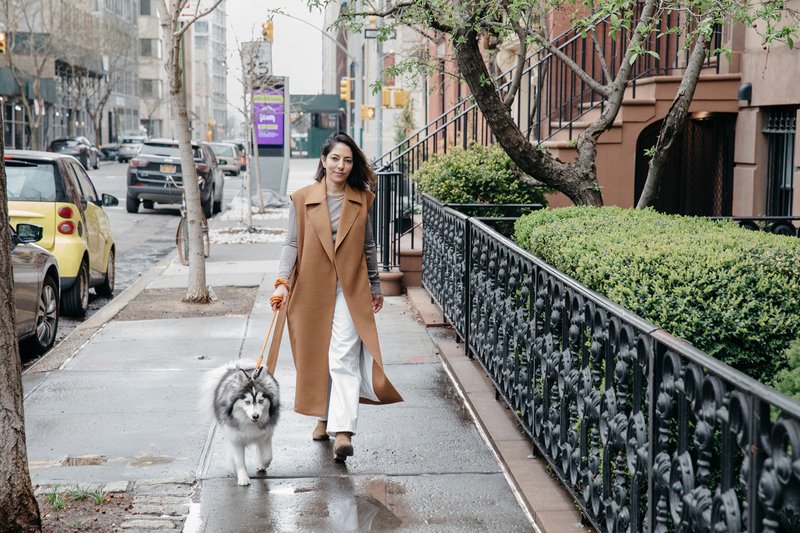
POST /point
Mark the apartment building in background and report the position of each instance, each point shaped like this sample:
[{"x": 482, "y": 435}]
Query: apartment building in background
[
  {"x": 206, "y": 76},
  {"x": 154, "y": 103}
]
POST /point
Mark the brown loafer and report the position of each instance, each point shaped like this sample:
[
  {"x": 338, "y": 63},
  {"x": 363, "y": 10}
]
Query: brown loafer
[
  {"x": 321, "y": 431},
  {"x": 342, "y": 446}
]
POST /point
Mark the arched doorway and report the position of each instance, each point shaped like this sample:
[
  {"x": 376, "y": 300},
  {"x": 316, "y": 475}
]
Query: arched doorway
[{"x": 700, "y": 181}]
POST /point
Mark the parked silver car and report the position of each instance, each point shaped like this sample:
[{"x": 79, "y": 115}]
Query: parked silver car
[
  {"x": 228, "y": 157},
  {"x": 129, "y": 147},
  {"x": 36, "y": 290}
]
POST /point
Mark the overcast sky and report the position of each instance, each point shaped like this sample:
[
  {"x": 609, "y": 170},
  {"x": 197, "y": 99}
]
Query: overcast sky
[{"x": 296, "y": 48}]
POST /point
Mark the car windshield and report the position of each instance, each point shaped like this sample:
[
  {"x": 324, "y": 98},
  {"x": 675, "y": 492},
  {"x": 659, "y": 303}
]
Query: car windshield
[
  {"x": 132, "y": 141},
  {"x": 222, "y": 149},
  {"x": 31, "y": 182},
  {"x": 167, "y": 150}
]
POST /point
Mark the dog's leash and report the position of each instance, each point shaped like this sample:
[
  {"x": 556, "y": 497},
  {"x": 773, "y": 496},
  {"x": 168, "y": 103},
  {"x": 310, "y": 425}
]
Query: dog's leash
[{"x": 276, "y": 325}]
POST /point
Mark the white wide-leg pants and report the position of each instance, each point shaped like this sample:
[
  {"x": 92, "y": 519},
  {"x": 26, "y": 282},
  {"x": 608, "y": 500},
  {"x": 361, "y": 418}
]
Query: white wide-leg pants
[{"x": 350, "y": 366}]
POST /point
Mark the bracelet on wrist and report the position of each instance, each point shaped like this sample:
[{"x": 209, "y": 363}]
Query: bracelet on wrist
[{"x": 281, "y": 281}]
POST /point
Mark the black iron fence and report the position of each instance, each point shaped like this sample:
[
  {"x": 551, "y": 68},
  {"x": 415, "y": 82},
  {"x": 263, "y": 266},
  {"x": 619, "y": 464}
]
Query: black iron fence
[
  {"x": 393, "y": 216},
  {"x": 779, "y": 225},
  {"x": 646, "y": 432}
]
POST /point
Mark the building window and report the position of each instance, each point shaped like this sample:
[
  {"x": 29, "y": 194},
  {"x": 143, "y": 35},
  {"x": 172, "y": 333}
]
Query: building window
[
  {"x": 201, "y": 26},
  {"x": 150, "y": 88},
  {"x": 145, "y": 9},
  {"x": 200, "y": 41},
  {"x": 780, "y": 130},
  {"x": 150, "y": 48}
]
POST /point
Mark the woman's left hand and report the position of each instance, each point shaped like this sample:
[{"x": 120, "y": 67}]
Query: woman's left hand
[{"x": 377, "y": 302}]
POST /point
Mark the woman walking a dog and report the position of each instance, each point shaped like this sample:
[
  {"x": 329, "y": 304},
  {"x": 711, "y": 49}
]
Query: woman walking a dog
[{"x": 329, "y": 263}]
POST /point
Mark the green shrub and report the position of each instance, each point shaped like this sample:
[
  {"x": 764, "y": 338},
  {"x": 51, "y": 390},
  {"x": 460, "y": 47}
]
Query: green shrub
[
  {"x": 787, "y": 380},
  {"x": 733, "y": 293},
  {"x": 479, "y": 174}
]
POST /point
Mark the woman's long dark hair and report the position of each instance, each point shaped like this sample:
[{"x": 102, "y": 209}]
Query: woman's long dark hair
[{"x": 362, "y": 176}]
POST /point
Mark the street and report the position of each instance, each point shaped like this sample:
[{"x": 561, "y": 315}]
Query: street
[{"x": 141, "y": 239}]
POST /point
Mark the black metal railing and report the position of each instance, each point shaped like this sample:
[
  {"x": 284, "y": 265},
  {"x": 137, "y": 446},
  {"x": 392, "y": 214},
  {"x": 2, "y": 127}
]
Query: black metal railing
[
  {"x": 646, "y": 432},
  {"x": 777, "y": 224},
  {"x": 393, "y": 214}
]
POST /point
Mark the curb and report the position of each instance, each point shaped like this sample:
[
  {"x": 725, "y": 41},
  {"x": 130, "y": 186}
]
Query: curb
[{"x": 545, "y": 500}]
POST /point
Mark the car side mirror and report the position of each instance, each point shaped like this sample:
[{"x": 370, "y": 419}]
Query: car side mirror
[
  {"x": 109, "y": 201},
  {"x": 29, "y": 233},
  {"x": 222, "y": 161}
]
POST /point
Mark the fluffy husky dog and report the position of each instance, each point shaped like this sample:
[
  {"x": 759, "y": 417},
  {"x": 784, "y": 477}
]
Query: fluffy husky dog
[{"x": 246, "y": 407}]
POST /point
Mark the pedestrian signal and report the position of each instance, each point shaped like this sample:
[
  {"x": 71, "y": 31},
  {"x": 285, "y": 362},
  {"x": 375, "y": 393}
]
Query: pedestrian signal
[
  {"x": 346, "y": 89},
  {"x": 367, "y": 112}
]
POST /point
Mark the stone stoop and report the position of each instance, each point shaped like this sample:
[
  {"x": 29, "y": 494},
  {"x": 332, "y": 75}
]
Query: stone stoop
[{"x": 409, "y": 273}]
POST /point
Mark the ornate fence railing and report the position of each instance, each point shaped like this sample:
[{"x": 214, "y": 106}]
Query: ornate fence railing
[{"x": 646, "y": 432}]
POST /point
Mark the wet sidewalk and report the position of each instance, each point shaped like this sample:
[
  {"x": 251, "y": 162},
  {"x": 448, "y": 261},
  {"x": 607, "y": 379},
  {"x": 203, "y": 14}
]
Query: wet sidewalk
[{"x": 119, "y": 405}]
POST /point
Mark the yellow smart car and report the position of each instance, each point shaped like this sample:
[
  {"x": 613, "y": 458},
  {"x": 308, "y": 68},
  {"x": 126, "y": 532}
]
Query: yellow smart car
[{"x": 53, "y": 191}]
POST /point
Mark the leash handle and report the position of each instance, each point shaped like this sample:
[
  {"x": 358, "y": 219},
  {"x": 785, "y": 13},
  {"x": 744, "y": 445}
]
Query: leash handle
[{"x": 276, "y": 326}]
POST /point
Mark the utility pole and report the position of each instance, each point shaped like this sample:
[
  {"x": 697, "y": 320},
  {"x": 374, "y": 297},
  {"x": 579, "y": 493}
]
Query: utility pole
[
  {"x": 359, "y": 89},
  {"x": 379, "y": 97}
]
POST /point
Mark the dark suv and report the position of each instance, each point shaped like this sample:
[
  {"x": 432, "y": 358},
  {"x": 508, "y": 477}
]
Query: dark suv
[{"x": 158, "y": 158}]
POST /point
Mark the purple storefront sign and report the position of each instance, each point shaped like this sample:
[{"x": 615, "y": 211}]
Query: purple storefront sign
[{"x": 268, "y": 107}]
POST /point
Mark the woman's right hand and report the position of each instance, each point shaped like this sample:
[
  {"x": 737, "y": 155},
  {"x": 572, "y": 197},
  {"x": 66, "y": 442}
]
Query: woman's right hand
[{"x": 282, "y": 292}]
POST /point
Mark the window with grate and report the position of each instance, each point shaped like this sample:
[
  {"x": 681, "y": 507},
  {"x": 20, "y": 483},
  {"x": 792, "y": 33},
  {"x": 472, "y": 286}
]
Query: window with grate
[{"x": 780, "y": 130}]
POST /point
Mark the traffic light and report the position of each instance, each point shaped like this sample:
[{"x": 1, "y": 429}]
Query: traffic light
[
  {"x": 346, "y": 89},
  {"x": 367, "y": 112},
  {"x": 266, "y": 30},
  {"x": 394, "y": 97},
  {"x": 2, "y": 42}
]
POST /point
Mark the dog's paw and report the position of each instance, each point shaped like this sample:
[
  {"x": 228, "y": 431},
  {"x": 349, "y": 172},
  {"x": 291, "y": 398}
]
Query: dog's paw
[
  {"x": 243, "y": 481},
  {"x": 262, "y": 468}
]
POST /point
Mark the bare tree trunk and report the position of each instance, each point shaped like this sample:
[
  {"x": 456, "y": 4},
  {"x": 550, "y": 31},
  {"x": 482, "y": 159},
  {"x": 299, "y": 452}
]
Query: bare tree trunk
[
  {"x": 18, "y": 509},
  {"x": 197, "y": 290},
  {"x": 673, "y": 125},
  {"x": 249, "y": 183}
]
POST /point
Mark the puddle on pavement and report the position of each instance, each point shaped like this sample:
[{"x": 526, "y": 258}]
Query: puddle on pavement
[{"x": 148, "y": 460}]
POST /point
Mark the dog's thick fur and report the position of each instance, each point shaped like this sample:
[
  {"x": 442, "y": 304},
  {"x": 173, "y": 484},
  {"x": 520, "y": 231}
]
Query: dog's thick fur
[{"x": 246, "y": 407}]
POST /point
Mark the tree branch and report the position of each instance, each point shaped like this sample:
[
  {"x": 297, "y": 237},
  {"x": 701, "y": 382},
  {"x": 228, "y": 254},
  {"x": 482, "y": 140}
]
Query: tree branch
[
  {"x": 194, "y": 19},
  {"x": 601, "y": 58},
  {"x": 602, "y": 90},
  {"x": 515, "y": 82}
]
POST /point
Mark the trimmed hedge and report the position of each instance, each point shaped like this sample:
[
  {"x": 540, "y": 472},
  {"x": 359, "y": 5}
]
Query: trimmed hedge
[
  {"x": 733, "y": 293},
  {"x": 479, "y": 174},
  {"x": 788, "y": 380}
]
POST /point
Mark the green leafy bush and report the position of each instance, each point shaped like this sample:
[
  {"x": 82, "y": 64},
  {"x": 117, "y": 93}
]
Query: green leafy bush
[
  {"x": 479, "y": 174},
  {"x": 733, "y": 293},
  {"x": 788, "y": 380}
]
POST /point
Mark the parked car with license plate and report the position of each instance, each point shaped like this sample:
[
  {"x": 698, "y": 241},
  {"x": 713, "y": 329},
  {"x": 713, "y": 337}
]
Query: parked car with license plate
[
  {"x": 54, "y": 191},
  {"x": 80, "y": 148},
  {"x": 36, "y": 290},
  {"x": 147, "y": 183}
]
